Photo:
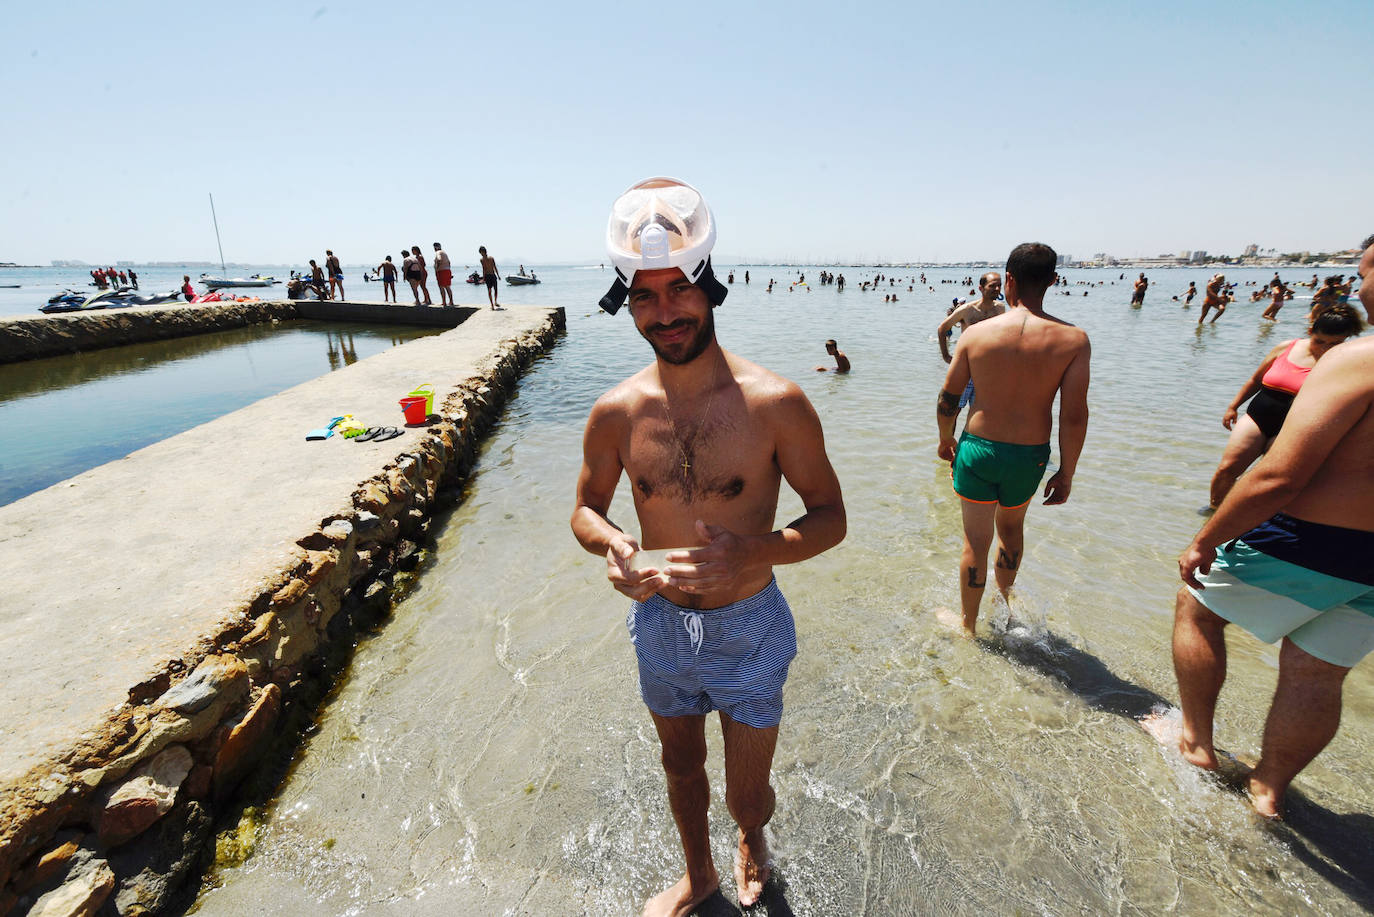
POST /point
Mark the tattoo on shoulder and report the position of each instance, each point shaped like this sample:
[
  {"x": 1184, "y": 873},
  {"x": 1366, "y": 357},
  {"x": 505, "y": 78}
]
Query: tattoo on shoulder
[{"x": 948, "y": 405}]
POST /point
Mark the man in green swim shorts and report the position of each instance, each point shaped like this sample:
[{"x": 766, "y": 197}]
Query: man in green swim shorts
[{"x": 1018, "y": 361}]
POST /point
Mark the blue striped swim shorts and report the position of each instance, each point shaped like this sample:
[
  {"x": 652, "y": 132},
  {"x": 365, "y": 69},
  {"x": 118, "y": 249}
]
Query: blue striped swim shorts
[{"x": 733, "y": 659}]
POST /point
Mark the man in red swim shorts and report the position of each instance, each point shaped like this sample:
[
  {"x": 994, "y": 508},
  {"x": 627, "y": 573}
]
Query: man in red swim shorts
[{"x": 443, "y": 272}]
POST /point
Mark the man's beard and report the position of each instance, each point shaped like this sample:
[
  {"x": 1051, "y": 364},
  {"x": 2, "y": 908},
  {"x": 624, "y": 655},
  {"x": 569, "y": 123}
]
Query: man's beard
[{"x": 694, "y": 348}]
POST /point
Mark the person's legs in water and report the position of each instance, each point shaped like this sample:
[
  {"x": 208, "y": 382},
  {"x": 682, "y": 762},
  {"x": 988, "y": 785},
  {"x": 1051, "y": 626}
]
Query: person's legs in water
[
  {"x": 1302, "y": 720},
  {"x": 751, "y": 800},
  {"x": 973, "y": 562},
  {"x": 1200, "y": 666},
  {"x": 1245, "y": 444},
  {"x": 1011, "y": 543},
  {"x": 683, "y": 741}
]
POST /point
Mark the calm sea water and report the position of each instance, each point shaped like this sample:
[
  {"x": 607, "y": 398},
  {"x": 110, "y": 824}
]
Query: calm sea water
[
  {"x": 68, "y": 414},
  {"x": 488, "y": 753}
]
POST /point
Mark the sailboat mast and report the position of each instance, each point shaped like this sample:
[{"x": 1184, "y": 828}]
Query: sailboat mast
[{"x": 223, "y": 270}]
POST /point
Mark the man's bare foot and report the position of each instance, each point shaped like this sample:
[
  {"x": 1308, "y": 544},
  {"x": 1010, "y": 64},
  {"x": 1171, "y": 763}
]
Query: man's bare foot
[
  {"x": 1166, "y": 725},
  {"x": 682, "y": 898},
  {"x": 1267, "y": 802},
  {"x": 753, "y": 866},
  {"x": 953, "y": 620}
]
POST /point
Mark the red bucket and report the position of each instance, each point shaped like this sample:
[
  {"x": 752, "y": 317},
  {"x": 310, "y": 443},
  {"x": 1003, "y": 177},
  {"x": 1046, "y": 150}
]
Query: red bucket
[{"x": 414, "y": 409}]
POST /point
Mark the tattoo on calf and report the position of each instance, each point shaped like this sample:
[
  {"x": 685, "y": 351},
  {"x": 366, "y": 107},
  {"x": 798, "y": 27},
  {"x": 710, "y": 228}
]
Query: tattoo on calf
[
  {"x": 1008, "y": 560},
  {"x": 973, "y": 582},
  {"x": 947, "y": 405}
]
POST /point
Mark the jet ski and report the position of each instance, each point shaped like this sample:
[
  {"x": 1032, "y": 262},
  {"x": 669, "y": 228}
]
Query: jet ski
[{"x": 98, "y": 301}]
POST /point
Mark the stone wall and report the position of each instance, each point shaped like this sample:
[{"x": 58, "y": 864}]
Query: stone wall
[
  {"x": 53, "y": 335},
  {"x": 124, "y": 823}
]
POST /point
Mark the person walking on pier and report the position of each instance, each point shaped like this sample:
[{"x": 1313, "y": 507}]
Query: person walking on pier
[
  {"x": 388, "y": 271},
  {"x": 443, "y": 274},
  {"x": 490, "y": 275},
  {"x": 423, "y": 272},
  {"x": 331, "y": 264},
  {"x": 706, "y": 439}
]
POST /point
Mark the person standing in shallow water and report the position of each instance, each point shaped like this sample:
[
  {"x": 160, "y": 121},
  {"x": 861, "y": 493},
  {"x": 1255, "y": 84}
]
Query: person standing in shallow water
[
  {"x": 706, "y": 439},
  {"x": 490, "y": 276},
  {"x": 1019, "y": 362},
  {"x": 1287, "y": 557},
  {"x": 1138, "y": 291},
  {"x": 966, "y": 315}
]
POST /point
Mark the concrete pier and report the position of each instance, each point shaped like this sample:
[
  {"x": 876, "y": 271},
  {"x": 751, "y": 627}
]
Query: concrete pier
[
  {"x": 32, "y": 337},
  {"x": 161, "y": 609}
]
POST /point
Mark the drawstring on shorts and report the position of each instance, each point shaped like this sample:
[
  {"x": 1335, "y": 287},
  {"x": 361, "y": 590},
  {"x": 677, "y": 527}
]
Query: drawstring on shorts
[{"x": 691, "y": 622}]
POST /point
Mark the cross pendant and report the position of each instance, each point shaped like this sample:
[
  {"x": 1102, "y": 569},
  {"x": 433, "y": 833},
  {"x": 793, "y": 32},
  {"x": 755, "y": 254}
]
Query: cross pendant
[{"x": 686, "y": 467}]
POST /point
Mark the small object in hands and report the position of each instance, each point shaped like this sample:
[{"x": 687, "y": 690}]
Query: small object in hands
[{"x": 656, "y": 559}]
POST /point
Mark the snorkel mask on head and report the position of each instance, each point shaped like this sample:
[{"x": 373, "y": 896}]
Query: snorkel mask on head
[{"x": 661, "y": 223}]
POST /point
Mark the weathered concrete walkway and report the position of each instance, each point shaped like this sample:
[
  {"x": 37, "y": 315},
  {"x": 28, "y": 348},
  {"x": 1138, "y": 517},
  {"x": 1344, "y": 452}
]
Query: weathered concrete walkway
[
  {"x": 32, "y": 337},
  {"x": 114, "y": 576}
]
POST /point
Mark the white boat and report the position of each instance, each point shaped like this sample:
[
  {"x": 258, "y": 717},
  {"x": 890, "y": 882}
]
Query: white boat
[
  {"x": 220, "y": 283},
  {"x": 520, "y": 280}
]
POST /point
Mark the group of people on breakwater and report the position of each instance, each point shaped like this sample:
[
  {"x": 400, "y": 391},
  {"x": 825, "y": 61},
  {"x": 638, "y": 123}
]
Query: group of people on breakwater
[
  {"x": 706, "y": 437},
  {"x": 106, "y": 277},
  {"x": 327, "y": 281}
]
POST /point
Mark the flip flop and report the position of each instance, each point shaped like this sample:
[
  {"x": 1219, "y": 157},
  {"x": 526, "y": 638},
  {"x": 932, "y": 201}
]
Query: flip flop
[
  {"x": 369, "y": 433},
  {"x": 387, "y": 433}
]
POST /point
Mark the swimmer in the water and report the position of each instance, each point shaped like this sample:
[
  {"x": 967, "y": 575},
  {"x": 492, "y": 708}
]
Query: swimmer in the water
[{"x": 841, "y": 361}]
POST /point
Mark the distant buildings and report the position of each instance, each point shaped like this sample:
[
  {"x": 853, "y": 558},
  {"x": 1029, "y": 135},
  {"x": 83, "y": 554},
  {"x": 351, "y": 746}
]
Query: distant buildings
[{"x": 1251, "y": 251}]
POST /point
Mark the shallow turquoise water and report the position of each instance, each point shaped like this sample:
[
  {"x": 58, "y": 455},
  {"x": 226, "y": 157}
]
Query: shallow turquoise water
[
  {"x": 488, "y": 752},
  {"x": 68, "y": 414}
]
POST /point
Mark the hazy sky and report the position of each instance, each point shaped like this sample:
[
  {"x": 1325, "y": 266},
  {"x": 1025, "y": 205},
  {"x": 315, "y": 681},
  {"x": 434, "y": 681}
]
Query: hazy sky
[{"x": 817, "y": 132}]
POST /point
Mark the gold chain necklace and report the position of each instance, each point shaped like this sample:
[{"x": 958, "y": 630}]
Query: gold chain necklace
[{"x": 685, "y": 446}]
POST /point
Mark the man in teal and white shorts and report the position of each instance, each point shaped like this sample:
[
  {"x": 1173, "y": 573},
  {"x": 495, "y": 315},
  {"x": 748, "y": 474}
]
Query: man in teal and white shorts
[{"x": 1296, "y": 536}]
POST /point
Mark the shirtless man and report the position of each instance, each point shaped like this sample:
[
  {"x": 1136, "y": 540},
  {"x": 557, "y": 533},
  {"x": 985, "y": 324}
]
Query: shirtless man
[
  {"x": 331, "y": 264},
  {"x": 443, "y": 275},
  {"x": 491, "y": 275},
  {"x": 388, "y": 271},
  {"x": 317, "y": 279},
  {"x": 1298, "y": 532},
  {"x": 841, "y": 361},
  {"x": 970, "y": 314},
  {"x": 1020, "y": 361},
  {"x": 705, "y": 438},
  {"x": 1138, "y": 296},
  {"x": 1190, "y": 293},
  {"x": 1214, "y": 298}
]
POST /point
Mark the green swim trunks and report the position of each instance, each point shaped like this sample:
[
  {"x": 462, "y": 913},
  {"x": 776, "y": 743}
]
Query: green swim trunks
[{"x": 986, "y": 471}]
